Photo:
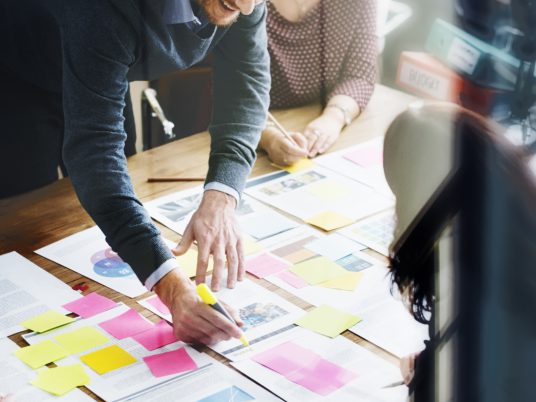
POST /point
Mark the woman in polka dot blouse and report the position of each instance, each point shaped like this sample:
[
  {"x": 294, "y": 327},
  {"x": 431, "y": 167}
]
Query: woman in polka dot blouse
[{"x": 321, "y": 51}]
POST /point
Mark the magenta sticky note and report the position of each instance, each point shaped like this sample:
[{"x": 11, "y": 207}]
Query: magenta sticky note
[
  {"x": 264, "y": 265},
  {"x": 159, "y": 305},
  {"x": 156, "y": 337},
  {"x": 127, "y": 324},
  {"x": 168, "y": 363},
  {"x": 90, "y": 305},
  {"x": 366, "y": 157},
  {"x": 292, "y": 279}
]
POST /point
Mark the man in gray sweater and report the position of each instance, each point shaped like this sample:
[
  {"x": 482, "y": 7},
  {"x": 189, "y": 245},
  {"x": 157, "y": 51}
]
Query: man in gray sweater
[{"x": 77, "y": 58}]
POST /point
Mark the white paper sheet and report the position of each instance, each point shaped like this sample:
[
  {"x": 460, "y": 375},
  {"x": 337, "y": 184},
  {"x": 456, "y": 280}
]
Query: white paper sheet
[
  {"x": 373, "y": 373},
  {"x": 26, "y": 290},
  {"x": 298, "y": 194},
  {"x": 128, "y": 381},
  {"x": 15, "y": 377},
  {"x": 88, "y": 254},
  {"x": 334, "y": 246},
  {"x": 175, "y": 211},
  {"x": 267, "y": 317}
]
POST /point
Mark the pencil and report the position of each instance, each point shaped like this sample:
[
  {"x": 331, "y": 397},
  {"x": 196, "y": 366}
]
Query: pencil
[
  {"x": 282, "y": 129},
  {"x": 173, "y": 179}
]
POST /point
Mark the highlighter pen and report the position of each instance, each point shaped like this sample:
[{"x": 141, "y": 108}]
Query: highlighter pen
[{"x": 208, "y": 298}]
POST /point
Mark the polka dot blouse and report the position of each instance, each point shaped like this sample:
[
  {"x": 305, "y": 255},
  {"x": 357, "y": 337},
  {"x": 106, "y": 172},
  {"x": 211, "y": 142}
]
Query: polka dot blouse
[{"x": 331, "y": 51}]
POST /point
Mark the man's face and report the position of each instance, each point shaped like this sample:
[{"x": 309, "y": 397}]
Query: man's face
[{"x": 225, "y": 12}]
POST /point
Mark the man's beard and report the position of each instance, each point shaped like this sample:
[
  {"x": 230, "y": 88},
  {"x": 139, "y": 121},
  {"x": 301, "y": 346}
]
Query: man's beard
[{"x": 208, "y": 6}]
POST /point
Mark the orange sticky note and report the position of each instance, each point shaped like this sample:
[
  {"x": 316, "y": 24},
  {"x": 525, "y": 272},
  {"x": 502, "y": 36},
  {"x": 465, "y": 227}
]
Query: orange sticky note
[{"x": 329, "y": 220}]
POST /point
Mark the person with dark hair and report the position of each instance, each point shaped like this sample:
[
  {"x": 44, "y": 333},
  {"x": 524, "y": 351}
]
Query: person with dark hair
[{"x": 321, "y": 51}]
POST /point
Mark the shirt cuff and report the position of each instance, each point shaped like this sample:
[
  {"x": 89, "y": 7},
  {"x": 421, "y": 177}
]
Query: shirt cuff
[
  {"x": 224, "y": 189},
  {"x": 160, "y": 272}
]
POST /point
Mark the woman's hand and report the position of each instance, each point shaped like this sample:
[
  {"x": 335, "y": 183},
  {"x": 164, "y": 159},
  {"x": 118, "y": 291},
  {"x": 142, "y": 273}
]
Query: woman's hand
[
  {"x": 280, "y": 150},
  {"x": 407, "y": 368},
  {"x": 322, "y": 132}
]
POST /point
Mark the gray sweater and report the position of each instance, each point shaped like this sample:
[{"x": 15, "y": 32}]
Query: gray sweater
[{"x": 89, "y": 51}]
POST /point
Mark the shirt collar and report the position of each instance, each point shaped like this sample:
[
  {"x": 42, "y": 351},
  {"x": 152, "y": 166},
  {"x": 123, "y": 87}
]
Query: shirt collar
[{"x": 179, "y": 12}]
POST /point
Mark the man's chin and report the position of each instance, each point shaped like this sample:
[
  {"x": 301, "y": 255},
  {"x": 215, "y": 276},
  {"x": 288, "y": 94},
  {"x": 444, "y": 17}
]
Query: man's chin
[{"x": 223, "y": 22}]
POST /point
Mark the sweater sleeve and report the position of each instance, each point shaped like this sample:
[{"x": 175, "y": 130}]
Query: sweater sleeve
[
  {"x": 95, "y": 66},
  {"x": 241, "y": 96},
  {"x": 358, "y": 75}
]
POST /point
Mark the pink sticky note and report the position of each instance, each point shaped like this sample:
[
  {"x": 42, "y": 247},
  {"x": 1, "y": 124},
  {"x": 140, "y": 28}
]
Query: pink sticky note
[
  {"x": 264, "y": 265},
  {"x": 90, "y": 305},
  {"x": 168, "y": 363},
  {"x": 306, "y": 368},
  {"x": 292, "y": 279},
  {"x": 366, "y": 157},
  {"x": 156, "y": 337},
  {"x": 126, "y": 325},
  {"x": 159, "y": 305}
]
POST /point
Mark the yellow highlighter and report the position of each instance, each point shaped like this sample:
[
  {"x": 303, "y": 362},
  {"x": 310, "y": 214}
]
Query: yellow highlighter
[{"x": 208, "y": 298}]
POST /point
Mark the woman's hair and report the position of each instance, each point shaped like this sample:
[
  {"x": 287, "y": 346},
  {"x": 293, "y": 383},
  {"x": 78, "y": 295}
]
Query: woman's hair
[{"x": 413, "y": 256}]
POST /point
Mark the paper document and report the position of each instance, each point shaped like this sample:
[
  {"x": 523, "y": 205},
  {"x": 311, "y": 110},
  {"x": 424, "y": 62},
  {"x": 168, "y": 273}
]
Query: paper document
[
  {"x": 88, "y": 254},
  {"x": 312, "y": 193},
  {"x": 354, "y": 373},
  {"x": 131, "y": 378},
  {"x": 15, "y": 378},
  {"x": 26, "y": 290}
]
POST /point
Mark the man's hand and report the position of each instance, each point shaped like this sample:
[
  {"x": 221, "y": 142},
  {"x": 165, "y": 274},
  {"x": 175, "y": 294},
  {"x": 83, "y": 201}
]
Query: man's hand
[
  {"x": 215, "y": 228},
  {"x": 193, "y": 320}
]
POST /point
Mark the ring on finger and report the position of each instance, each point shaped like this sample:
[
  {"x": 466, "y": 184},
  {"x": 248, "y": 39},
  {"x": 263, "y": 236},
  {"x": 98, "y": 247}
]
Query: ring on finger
[{"x": 316, "y": 133}]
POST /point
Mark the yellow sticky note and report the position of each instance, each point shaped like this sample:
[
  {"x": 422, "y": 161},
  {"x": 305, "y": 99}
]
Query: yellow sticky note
[
  {"x": 60, "y": 380},
  {"x": 188, "y": 263},
  {"x": 46, "y": 321},
  {"x": 108, "y": 359},
  {"x": 251, "y": 246},
  {"x": 302, "y": 164},
  {"x": 41, "y": 354},
  {"x": 329, "y": 220},
  {"x": 328, "y": 321},
  {"x": 349, "y": 281},
  {"x": 318, "y": 270},
  {"x": 328, "y": 190},
  {"x": 82, "y": 339}
]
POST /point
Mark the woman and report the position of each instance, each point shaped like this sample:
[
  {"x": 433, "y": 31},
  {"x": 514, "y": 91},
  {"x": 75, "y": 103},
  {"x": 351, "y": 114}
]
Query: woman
[{"x": 321, "y": 51}]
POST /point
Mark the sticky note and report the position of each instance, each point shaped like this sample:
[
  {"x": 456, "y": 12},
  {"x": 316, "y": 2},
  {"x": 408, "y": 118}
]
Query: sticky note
[
  {"x": 349, "y": 282},
  {"x": 108, "y": 359},
  {"x": 46, "y": 321},
  {"x": 318, "y": 270},
  {"x": 329, "y": 220},
  {"x": 302, "y": 164},
  {"x": 82, "y": 339},
  {"x": 367, "y": 156},
  {"x": 334, "y": 246},
  {"x": 265, "y": 265},
  {"x": 62, "y": 379},
  {"x": 168, "y": 363},
  {"x": 126, "y": 325},
  {"x": 266, "y": 224},
  {"x": 188, "y": 263},
  {"x": 90, "y": 305},
  {"x": 158, "y": 305},
  {"x": 327, "y": 320},
  {"x": 292, "y": 279},
  {"x": 251, "y": 246},
  {"x": 328, "y": 190},
  {"x": 160, "y": 335},
  {"x": 306, "y": 368},
  {"x": 41, "y": 354}
]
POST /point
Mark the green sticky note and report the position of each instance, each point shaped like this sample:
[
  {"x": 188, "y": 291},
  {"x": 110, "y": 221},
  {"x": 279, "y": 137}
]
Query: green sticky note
[
  {"x": 108, "y": 359},
  {"x": 41, "y": 354},
  {"x": 82, "y": 339},
  {"x": 46, "y": 321},
  {"x": 60, "y": 380},
  {"x": 328, "y": 321},
  {"x": 318, "y": 270}
]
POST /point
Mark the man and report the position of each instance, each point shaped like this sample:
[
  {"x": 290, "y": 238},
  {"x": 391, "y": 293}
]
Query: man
[{"x": 66, "y": 65}]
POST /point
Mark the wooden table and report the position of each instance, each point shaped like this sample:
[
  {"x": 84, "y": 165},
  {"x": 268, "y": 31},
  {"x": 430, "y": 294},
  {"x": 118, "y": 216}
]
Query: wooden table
[{"x": 34, "y": 220}]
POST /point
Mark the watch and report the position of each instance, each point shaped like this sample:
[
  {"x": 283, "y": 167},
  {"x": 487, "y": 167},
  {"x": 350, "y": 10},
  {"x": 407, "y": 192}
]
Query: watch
[{"x": 345, "y": 112}]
